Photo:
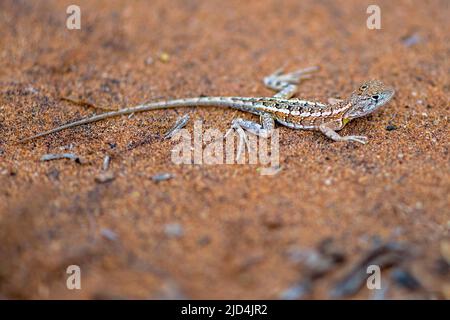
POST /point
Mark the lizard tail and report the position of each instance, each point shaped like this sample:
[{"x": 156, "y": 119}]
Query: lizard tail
[{"x": 189, "y": 102}]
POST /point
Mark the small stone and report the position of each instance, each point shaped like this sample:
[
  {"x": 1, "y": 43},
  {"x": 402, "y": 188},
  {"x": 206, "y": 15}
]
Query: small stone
[
  {"x": 174, "y": 230},
  {"x": 328, "y": 182},
  {"x": 272, "y": 221},
  {"x": 105, "y": 177},
  {"x": 296, "y": 292},
  {"x": 270, "y": 171},
  {"x": 391, "y": 127},
  {"x": 164, "y": 57},
  {"x": 162, "y": 177},
  {"x": 411, "y": 40},
  {"x": 204, "y": 241},
  {"x": 109, "y": 234},
  {"x": 171, "y": 290},
  {"x": 31, "y": 89},
  {"x": 53, "y": 174},
  {"x": 149, "y": 61},
  {"x": 13, "y": 171},
  {"x": 297, "y": 255}
]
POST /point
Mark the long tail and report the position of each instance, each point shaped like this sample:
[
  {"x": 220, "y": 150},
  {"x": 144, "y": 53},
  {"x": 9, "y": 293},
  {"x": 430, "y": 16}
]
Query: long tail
[{"x": 232, "y": 102}]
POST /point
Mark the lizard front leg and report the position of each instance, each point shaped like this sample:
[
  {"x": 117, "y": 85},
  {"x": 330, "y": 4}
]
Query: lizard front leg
[
  {"x": 328, "y": 130},
  {"x": 286, "y": 84}
]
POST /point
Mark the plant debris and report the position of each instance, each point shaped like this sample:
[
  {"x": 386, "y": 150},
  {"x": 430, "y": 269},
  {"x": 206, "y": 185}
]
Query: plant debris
[
  {"x": 405, "y": 279},
  {"x": 315, "y": 264},
  {"x": 58, "y": 156},
  {"x": 106, "y": 162},
  {"x": 384, "y": 256},
  {"x": 179, "y": 124}
]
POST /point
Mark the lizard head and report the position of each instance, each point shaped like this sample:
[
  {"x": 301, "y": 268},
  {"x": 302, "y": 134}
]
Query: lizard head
[{"x": 370, "y": 96}]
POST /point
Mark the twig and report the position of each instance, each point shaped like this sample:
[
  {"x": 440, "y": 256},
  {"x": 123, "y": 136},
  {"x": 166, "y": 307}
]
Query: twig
[
  {"x": 106, "y": 162},
  {"x": 56, "y": 156},
  {"x": 179, "y": 124},
  {"x": 384, "y": 256}
]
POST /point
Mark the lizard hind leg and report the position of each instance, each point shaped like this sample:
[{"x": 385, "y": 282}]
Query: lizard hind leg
[
  {"x": 286, "y": 84},
  {"x": 263, "y": 130}
]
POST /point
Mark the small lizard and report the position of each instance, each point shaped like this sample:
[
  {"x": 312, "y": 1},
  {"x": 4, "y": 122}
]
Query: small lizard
[{"x": 292, "y": 113}]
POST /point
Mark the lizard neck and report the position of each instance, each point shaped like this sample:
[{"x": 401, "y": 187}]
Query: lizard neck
[{"x": 340, "y": 111}]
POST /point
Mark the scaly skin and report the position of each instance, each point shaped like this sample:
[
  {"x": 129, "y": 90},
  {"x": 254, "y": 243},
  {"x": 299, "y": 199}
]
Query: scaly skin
[{"x": 292, "y": 113}]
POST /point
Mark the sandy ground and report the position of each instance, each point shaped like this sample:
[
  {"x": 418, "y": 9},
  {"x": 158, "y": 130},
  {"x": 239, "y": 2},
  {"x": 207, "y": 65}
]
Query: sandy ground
[{"x": 221, "y": 231}]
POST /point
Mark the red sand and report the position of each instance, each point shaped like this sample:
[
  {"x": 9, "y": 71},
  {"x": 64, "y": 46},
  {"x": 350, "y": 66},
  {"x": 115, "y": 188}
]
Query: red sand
[{"x": 237, "y": 226}]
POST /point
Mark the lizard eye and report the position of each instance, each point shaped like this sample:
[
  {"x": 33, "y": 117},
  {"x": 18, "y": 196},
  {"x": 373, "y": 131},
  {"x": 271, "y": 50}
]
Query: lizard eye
[
  {"x": 375, "y": 97},
  {"x": 363, "y": 87}
]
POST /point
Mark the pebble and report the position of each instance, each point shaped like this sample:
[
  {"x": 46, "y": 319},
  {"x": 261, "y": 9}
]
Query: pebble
[
  {"x": 149, "y": 61},
  {"x": 105, "y": 177},
  {"x": 391, "y": 127},
  {"x": 31, "y": 89},
  {"x": 296, "y": 292},
  {"x": 174, "y": 230},
  {"x": 109, "y": 234},
  {"x": 164, "y": 57},
  {"x": 203, "y": 241},
  {"x": 162, "y": 177},
  {"x": 412, "y": 40},
  {"x": 272, "y": 221}
]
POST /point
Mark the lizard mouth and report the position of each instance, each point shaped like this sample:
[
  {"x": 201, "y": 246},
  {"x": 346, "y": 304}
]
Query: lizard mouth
[
  {"x": 389, "y": 94},
  {"x": 386, "y": 97}
]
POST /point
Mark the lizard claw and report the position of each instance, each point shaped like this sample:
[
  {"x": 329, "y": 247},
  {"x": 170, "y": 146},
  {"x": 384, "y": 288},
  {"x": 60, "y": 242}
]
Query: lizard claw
[{"x": 360, "y": 139}]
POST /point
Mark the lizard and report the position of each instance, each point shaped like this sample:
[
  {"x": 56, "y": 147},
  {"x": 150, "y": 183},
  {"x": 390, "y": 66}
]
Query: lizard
[{"x": 293, "y": 113}]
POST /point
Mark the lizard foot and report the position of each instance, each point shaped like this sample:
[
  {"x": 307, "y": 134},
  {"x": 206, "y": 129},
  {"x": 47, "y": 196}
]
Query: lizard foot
[
  {"x": 243, "y": 140},
  {"x": 360, "y": 139},
  {"x": 292, "y": 77}
]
